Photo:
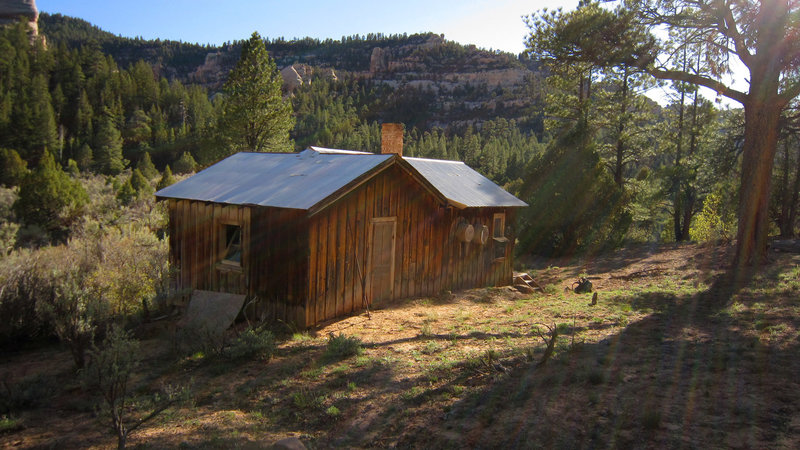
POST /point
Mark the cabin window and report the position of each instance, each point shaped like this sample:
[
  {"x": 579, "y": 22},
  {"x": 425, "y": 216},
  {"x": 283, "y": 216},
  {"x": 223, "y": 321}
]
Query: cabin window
[
  {"x": 499, "y": 225},
  {"x": 231, "y": 245},
  {"x": 499, "y": 236}
]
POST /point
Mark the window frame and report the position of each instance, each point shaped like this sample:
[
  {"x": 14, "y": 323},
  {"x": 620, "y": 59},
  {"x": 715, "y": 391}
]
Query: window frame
[
  {"x": 500, "y": 241},
  {"x": 223, "y": 246}
]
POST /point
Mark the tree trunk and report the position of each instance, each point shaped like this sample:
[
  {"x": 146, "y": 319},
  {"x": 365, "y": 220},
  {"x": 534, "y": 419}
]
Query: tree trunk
[
  {"x": 677, "y": 206},
  {"x": 783, "y": 216},
  {"x": 795, "y": 194},
  {"x": 758, "y": 156}
]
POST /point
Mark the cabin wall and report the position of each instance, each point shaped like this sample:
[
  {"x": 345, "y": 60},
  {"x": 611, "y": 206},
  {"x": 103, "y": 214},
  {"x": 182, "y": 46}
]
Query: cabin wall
[
  {"x": 274, "y": 265},
  {"x": 279, "y": 269},
  {"x": 428, "y": 258},
  {"x": 196, "y": 247}
]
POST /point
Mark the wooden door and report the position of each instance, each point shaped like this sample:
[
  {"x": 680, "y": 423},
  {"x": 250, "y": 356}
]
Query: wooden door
[{"x": 382, "y": 259}]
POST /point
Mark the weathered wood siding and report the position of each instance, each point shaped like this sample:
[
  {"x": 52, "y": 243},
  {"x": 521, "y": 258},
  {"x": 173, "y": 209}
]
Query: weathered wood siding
[
  {"x": 196, "y": 245},
  {"x": 428, "y": 259},
  {"x": 279, "y": 269}
]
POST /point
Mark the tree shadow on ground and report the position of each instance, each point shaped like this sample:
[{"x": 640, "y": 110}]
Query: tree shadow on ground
[{"x": 691, "y": 374}]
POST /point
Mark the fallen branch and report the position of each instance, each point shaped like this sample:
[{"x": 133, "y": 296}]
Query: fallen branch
[
  {"x": 550, "y": 342},
  {"x": 653, "y": 271}
]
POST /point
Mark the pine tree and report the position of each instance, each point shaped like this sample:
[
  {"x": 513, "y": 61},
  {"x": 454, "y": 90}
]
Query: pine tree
[
  {"x": 140, "y": 184},
  {"x": 108, "y": 148},
  {"x": 126, "y": 193},
  {"x": 146, "y": 166},
  {"x": 12, "y": 167},
  {"x": 49, "y": 198},
  {"x": 255, "y": 116},
  {"x": 185, "y": 164},
  {"x": 166, "y": 179}
]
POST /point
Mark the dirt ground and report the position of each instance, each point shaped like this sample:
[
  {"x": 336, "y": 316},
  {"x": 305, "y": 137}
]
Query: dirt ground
[{"x": 663, "y": 360}]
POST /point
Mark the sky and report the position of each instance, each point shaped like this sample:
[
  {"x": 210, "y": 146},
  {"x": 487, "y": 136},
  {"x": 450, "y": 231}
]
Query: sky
[{"x": 495, "y": 24}]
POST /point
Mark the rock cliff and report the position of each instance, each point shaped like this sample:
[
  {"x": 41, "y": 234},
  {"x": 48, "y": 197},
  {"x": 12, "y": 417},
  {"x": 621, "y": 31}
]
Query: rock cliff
[{"x": 12, "y": 10}]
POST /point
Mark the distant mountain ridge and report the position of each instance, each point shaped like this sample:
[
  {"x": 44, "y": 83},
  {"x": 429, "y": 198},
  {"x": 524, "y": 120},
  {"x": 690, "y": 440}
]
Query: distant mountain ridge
[{"x": 463, "y": 84}]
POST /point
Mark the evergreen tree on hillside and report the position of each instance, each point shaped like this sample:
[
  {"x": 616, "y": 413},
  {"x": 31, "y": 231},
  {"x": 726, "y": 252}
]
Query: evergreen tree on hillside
[
  {"x": 574, "y": 202},
  {"x": 108, "y": 148},
  {"x": 166, "y": 179},
  {"x": 146, "y": 166},
  {"x": 255, "y": 116},
  {"x": 12, "y": 167},
  {"x": 49, "y": 198}
]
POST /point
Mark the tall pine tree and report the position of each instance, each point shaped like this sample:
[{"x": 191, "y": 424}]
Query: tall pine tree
[{"x": 255, "y": 115}]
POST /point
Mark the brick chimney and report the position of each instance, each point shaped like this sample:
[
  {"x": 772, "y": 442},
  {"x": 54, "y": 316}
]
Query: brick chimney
[{"x": 392, "y": 138}]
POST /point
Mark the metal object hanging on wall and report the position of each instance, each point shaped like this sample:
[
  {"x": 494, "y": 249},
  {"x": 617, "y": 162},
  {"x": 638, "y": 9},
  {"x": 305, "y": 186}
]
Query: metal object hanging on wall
[
  {"x": 481, "y": 234},
  {"x": 464, "y": 232}
]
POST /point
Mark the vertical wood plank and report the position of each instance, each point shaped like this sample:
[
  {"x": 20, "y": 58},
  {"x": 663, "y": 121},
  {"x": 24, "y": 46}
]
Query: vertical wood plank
[
  {"x": 332, "y": 262},
  {"x": 321, "y": 266},
  {"x": 313, "y": 233},
  {"x": 349, "y": 257},
  {"x": 341, "y": 228},
  {"x": 360, "y": 255}
]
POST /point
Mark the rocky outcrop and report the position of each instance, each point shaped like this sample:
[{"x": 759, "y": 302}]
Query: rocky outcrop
[
  {"x": 297, "y": 75},
  {"x": 12, "y": 10},
  {"x": 379, "y": 61},
  {"x": 214, "y": 70}
]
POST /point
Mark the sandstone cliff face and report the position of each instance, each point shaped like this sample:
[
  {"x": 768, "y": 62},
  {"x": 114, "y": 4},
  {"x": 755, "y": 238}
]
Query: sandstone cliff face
[
  {"x": 12, "y": 10},
  {"x": 214, "y": 70},
  {"x": 297, "y": 75}
]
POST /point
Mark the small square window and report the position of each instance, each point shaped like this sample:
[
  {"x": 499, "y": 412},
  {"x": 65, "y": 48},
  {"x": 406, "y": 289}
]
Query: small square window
[{"x": 232, "y": 252}]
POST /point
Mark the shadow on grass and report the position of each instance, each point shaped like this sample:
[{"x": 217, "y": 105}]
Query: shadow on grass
[
  {"x": 689, "y": 375},
  {"x": 693, "y": 373}
]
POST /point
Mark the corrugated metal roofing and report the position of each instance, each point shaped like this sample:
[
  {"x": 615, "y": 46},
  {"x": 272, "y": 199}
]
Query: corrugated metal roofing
[
  {"x": 283, "y": 180},
  {"x": 302, "y": 180},
  {"x": 463, "y": 185}
]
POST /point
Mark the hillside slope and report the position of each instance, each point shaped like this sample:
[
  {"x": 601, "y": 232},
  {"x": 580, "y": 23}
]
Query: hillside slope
[{"x": 461, "y": 84}]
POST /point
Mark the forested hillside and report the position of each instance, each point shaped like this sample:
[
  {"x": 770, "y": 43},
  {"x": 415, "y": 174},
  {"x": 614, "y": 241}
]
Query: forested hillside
[{"x": 112, "y": 100}]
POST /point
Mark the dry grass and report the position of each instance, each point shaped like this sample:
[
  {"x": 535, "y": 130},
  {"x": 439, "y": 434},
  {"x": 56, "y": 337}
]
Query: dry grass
[{"x": 662, "y": 361}]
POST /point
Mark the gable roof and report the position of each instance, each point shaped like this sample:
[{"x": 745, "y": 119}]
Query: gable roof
[
  {"x": 461, "y": 185},
  {"x": 314, "y": 177}
]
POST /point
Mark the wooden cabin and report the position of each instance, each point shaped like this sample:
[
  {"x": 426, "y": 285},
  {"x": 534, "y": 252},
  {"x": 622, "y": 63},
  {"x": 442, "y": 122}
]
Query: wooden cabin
[{"x": 319, "y": 234}]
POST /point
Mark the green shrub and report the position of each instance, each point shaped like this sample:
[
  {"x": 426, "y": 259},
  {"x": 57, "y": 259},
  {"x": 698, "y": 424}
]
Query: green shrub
[
  {"x": 166, "y": 179},
  {"x": 712, "y": 224},
  {"x": 185, "y": 164},
  {"x": 342, "y": 346},
  {"x": 141, "y": 184},
  {"x": 27, "y": 393},
  {"x": 126, "y": 193},
  {"x": 252, "y": 343},
  {"x": 12, "y": 167},
  {"x": 146, "y": 167},
  {"x": 50, "y": 198}
]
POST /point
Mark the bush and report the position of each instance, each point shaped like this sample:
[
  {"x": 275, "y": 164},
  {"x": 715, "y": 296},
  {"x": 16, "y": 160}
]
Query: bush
[
  {"x": 146, "y": 167},
  {"x": 185, "y": 164},
  {"x": 126, "y": 193},
  {"x": 712, "y": 224},
  {"x": 252, "y": 343},
  {"x": 50, "y": 198},
  {"x": 12, "y": 167},
  {"x": 342, "y": 346},
  {"x": 109, "y": 371},
  {"x": 166, "y": 179},
  {"x": 135, "y": 268}
]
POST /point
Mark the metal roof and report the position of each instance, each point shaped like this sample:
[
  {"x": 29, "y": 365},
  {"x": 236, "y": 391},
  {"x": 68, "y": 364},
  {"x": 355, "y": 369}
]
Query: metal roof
[
  {"x": 283, "y": 180},
  {"x": 303, "y": 180},
  {"x": 462, "y": 185}
]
